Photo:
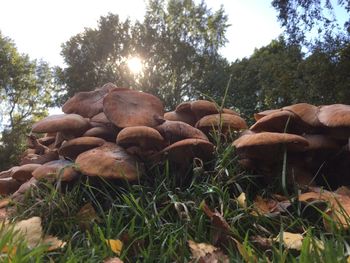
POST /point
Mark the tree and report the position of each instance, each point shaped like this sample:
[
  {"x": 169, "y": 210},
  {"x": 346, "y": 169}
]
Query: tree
[
  {"x": 25, "y": 93},
  {"x": 279, "y": 74},
  {"x": 178, "y": 42},
  {"x": 315, "y": 18}
]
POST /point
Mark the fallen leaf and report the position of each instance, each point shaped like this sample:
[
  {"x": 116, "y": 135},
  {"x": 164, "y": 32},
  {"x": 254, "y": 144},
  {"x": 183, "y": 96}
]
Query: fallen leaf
[
  {"x": 115, "y": 245},
  {"x": 290, "y": 240},
  {"x": 113, "y": 260},
  {"x": 206, "y": 253},
  {"x": 30, "y": 231},
  {"x": 339, "y": 206},
  {"x": 263, "y": 206},
  {"x": 222, "y": 232},
  {"x": 242, "y": 200},
  {"x": 86, "y": 216},
  {"x": 263, "y": 242},
  {"x": 53, "y": 242}
]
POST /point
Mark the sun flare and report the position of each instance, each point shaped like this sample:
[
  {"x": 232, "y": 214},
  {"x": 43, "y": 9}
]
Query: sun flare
[{"x": 135, "y": 65}]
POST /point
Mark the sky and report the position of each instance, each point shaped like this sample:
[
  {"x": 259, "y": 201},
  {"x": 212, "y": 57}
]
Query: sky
[{"x": 39, "y": 27}]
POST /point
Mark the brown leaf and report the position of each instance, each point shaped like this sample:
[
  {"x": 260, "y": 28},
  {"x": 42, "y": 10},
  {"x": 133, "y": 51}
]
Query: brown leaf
[
  {"x": 339, "y": 206},
  {"x": 263, "y": 242},
  {"x": 268, "y": 206},
  {"x": 222, "y": 232},
  {"x": 86, "y": 216},
  {"x": 206, "y": 253}
]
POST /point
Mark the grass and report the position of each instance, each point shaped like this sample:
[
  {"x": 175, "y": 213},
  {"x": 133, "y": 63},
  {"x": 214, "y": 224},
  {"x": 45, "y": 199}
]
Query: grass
[{"x": 155, "y": 217}]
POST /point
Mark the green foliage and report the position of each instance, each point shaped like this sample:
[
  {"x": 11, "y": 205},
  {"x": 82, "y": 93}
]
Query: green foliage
[
  {"x": 306, "y": 20},
  {"x": 178, "y": 42},
  {"x": 26, "y": 89},
  {"x": 279, "y": 74}
]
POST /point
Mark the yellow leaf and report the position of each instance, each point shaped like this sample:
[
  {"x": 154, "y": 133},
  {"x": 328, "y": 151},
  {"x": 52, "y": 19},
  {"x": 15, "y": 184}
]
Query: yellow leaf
[
  {"x": 53, "y": 242},
  {"x": 115, "y": 245},
  {"x": 242, "y": 200},
  {"x": 348, "y": 259},
  {"x": 291, "y": 240}
]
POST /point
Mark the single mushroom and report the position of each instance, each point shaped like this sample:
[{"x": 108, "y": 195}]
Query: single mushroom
[
  {"x": 126, "y": 108},
  {"x": 24, "y": 172},
  {"x": 227, "y": 122},
  {"x": 280, "y": 121},
  {"x": 8, "y": 186},
  {"x": 39, "y": 159},
  {"x": 146, "y": 138},
  {"x": 56, "y": 170},
  {"x": 201, "y": 108},
  {"x": 336, "y": 119},
  {"x": 109, "y": 161},
  {"x": 183, "y": 152},
  {"x": 71, "y": 149},
  {"x": 306, "y": 112},
  {"x": 69, "y": 123},
  {"x": 100, "y": 120},
  {"x": 103, "y": 132},
  {"x": 188, "y": 118},
  {"x": 173, "y": 131},
  {"x": 259, "y": 115},
  {"x": 268, "y": 145},
  {"x": 87, "y": 103}
]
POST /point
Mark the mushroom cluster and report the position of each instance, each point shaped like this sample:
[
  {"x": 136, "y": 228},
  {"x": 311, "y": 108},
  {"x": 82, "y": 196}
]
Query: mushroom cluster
[
  {"x": 314, "y": 140},
  {"x": 112, "y": 132}
]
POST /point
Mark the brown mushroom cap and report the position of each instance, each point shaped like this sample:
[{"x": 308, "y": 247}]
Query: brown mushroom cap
[
  {"x": 74, "y": 147},
  {"x": 336, "y": 115},
  {"x": 73, "y": 123},
  {"x": 39, "y": 159},
  {"x": 58, "y": 169},
  {"x": 229, "y": 111},
  {"x": 142, "y": 136},
  {"x": 182, "y": 152},
  {"x": 8, "y": 186},
  {"x": 126, "y": 108},
  {"x": 8, "y": 173},
  {"x": 320, "y": 142},
  {"x": 202, "y": 108},
  {"x": 227, "y": 122},
  {"x": 268, "y": 145},
  {"x": 174, "y": 131},
  {"x": 280, "y": 121},
  {"x": 24, "y": 172},
  {"x": 87, "y": 103},
  {"x": 259, "y": 115},
  {"x": 109, "y": 161},
  {"x": 184, "y": 107},
  {"x": 47, "y": 140},
  {"x": 103, "y": 132},
  {"x": 100, "y": 119},
  {"x": 188, "y": 118},
  {"x": 306, "y": 112}
]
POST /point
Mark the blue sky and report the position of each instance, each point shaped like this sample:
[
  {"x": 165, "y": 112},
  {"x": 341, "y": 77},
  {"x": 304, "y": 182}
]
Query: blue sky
[{"x": 39, "y": 27}]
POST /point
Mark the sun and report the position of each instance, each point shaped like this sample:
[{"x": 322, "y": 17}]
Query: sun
[{"x": 135, "y": 65}]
